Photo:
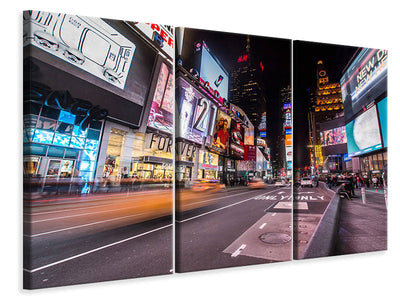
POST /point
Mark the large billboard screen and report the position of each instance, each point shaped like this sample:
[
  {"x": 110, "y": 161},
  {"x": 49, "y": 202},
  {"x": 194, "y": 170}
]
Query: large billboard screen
[
  {"x": 364, "y": 80},
  {"x": 333, "y": 136},
  {"x": 382, "y": 111},
  {"x": 87, "y": 43},
  {"x": 195, "y": 112},
  {"x": 237, "y": 140},
  {"x": 213, "y": 72},
  {"x": 363, "y": 134},
  {"x": 221, "y": 133},
  {"x": 161, "y": 112}
]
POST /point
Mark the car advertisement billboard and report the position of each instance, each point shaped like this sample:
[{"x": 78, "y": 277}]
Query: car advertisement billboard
[
  {"x": 221, "y": 133},
  {"x": 214, "y": 73},
  {"x": 363, "y": 134},
  {"x": 87, "y": 43},
  {"x": 364, "y": 80},
  {"x": 237, "y": 140},
  {"x": 161, "y": 115},
  {"x": 333, "y": 136}
]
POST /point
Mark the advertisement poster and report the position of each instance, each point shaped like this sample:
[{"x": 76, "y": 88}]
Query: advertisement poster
[
  {"x": 333, "y": 136},
  {"x": 221, "y": 133},
  {"x": 195, "y": 113},
  {"x": 161, "y": 112},
  {"x": 237, "y": 140}
]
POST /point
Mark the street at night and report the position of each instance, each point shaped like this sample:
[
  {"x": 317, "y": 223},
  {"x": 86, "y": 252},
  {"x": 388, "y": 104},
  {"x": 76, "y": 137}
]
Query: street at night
[
  {"x": 98, "y": 238},
  {"x": 243, "y": 226}
]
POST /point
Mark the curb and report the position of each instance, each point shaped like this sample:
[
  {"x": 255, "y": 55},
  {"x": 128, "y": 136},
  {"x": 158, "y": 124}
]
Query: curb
[{"x": 322, "y": 242}]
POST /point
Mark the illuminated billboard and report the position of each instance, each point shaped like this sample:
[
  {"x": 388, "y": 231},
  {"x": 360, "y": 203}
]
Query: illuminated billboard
[
  {"x": 363, "y": 134},
  {"x": 87, "y": 43},
  {"x": 221, "y": 134},
  {"x": 364, "y": 80},
  {"x": 214, "y": 73},
  {"x": 196, "y": 114},
  {"x": 382, "y": 111},
  {"x": 237, "y": 140},
  {"x": 288, "y": 137},
  {"x": 161, "y": 112},
  {"x": 333, "y": 136}
]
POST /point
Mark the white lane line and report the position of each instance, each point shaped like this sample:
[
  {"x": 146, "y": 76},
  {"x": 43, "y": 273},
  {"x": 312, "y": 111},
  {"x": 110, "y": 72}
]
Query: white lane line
[
  {"x": 221, "y": 208},
  {"x": 95, "y": 250},
  {"x": 80, "y": 226},
  {"x": 237, "y": 252},
  {"x": 78, "y": 215},
  {"x": 263, "y": 225},
  {"x": 67, "y": 210},
  {"x": 273, "y": 214}
]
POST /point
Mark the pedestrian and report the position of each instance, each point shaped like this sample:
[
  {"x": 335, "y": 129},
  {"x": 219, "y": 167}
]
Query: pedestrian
[{"x": 375, "y": 182}]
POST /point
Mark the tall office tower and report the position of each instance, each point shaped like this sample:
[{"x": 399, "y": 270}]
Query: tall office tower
[{"x": 247, "y": 88}]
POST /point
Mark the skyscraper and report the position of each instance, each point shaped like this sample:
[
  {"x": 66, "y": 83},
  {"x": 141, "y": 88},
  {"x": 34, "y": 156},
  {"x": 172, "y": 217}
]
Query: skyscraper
[{"x": 247, "y": 89}]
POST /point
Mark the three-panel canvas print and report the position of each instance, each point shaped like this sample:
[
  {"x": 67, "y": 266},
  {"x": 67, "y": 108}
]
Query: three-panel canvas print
[{"x": 152, "y": 149}]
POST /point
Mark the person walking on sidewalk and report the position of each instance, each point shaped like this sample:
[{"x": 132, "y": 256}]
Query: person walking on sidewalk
[{"x": 375, "y": 182}]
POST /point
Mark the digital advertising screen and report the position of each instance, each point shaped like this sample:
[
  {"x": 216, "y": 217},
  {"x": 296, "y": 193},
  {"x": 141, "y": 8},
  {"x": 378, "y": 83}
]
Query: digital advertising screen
[
  {"x": 237, "y": 140},
  {"x": 161, "y": 115},
  {"x": 382, "y": 112},
  {"x": 288, "y": 137},
  {"x": 363, "y": 134},
  {"x": 212, "y": 71},
  {"x": 221, "y": 134},
  {"x": 364, "y": 80},
  {"x": 333, "y": 136},
  {"x": 195, "y": 112}
]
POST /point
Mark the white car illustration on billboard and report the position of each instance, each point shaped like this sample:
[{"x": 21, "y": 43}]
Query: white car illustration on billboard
[{"x": 88, "y": 43}]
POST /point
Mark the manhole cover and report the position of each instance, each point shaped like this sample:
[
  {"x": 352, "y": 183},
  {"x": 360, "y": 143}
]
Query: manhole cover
[{"x": 275, "y": 238}]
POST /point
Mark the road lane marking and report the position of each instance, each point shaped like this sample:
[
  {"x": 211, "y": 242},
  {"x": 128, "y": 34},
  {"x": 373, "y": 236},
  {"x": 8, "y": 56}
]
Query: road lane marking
[
  {"x": 237, "y": 252},
  {"x": 221, "y": 208},
  {"x": 66, "y": 210},
  {"x": 96, "y": 249},
  {"x": 274, "y": 214},
  {"x": 263, "y": 225},
  {"x": 78, "y": 215},
  {"x": 79, "y": 226}
]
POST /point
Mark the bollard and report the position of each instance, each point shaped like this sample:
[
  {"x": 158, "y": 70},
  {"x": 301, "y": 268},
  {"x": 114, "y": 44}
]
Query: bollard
[
  {"x": 385, "y": 193},
  {"x": 363, "y": 196}
]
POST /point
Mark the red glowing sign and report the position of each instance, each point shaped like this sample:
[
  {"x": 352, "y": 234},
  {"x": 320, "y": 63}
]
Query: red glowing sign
[
  {"x": 242, "y": 58},
  {"x": 262, "y": 66}
]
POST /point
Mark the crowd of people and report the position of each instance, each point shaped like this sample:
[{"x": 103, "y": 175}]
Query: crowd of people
[{"x": 356, "y": 181}]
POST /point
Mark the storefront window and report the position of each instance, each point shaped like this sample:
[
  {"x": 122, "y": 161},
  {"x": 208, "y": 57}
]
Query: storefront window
[
  {"x": 51, "y": 132},
  {"x": 54, "y": 168},
  {"x": 114, "y": 152},
  {"x": 31, "y": 164}
]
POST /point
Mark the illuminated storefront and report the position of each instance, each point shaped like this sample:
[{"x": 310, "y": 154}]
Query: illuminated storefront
[{"x": 86, "y": 116}]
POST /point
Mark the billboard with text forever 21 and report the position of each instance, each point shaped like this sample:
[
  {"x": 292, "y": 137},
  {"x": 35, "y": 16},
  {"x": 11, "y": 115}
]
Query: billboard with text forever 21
[{"x": 196, "y": 114}]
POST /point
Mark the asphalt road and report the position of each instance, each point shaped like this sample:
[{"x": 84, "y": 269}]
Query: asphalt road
[
  {"x": 98, "y": 238},
  {"x": 237, "y": 227}
]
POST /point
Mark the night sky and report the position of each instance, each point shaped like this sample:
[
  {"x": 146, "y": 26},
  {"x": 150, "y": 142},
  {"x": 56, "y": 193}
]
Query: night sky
[
  {"x": 306, "y": 55},
  {"x": 275, "y": 55}
]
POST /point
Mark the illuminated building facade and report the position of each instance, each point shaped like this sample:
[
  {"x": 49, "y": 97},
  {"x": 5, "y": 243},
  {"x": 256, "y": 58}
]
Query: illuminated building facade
[{"x": 326, "y": 105}]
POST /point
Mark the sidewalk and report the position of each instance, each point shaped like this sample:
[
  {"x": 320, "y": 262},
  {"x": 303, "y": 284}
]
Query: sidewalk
[{"x": 363, "y": 227}]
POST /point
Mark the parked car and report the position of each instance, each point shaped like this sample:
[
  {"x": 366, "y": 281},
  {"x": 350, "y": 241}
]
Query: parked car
[{"x": 306, "y": 181}]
